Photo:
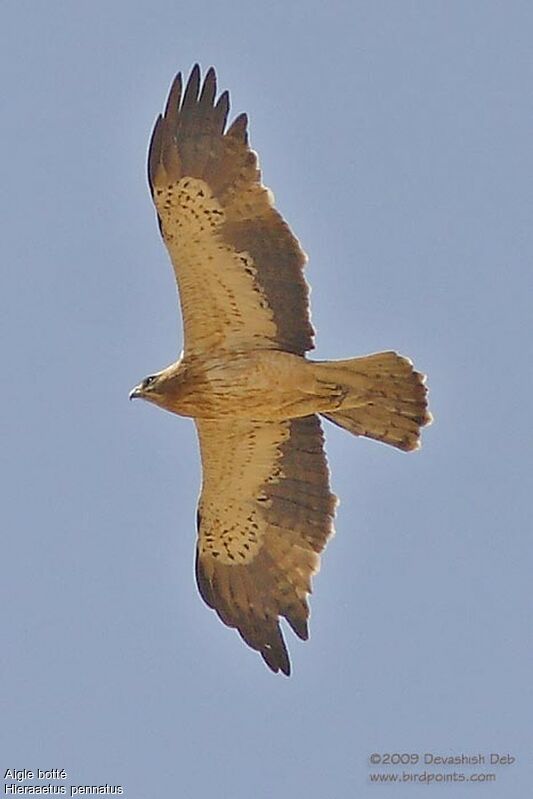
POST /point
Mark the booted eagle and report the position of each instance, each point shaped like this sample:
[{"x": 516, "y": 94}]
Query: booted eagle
[{"x": 265, "y": 511}]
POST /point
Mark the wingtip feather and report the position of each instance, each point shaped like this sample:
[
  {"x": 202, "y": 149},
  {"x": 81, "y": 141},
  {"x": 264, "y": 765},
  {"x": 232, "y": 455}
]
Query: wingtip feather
[
  {"x": 174, "y": 97},
  {"x": 190, "y": 96},
  {"x": 208, "y": 91},
  {"x": 239, "y": 128},
  {"x": 154, "y": 151},
  {"x": 222, "y": 111}
]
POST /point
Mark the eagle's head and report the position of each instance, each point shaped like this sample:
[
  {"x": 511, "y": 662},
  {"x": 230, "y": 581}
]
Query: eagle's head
[
  {"x": 164, "y": 388},
  {"x": 150, "y": 389}
]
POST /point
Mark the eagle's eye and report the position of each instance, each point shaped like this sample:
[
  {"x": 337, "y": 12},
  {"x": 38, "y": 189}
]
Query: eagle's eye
[{"x": 149, "y": 381}]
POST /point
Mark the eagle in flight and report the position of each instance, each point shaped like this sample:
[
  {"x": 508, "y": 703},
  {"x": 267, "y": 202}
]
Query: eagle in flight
[{"x": 266, "y": 510}]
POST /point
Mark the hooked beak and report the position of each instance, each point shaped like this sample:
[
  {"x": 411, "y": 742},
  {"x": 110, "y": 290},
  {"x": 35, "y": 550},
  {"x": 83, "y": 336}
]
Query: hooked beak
[{"x": 136, "y": 393}]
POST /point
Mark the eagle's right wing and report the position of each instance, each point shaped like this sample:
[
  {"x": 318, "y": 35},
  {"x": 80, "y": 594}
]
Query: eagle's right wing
[{"x": 265, "y": 513}]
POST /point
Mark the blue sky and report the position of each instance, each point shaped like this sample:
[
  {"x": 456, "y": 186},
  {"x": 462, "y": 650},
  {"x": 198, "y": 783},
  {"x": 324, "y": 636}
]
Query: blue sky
[{"x": 397, "y": 140}]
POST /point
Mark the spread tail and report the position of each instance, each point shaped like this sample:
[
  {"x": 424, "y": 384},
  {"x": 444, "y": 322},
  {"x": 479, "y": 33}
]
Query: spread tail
[{"x": 385, "y": 398}]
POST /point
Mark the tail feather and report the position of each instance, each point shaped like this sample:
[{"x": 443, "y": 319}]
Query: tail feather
[{"x": 386, "y": 399}]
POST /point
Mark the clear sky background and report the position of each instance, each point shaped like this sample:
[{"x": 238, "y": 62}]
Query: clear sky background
[{"x": 397, "y": 138}]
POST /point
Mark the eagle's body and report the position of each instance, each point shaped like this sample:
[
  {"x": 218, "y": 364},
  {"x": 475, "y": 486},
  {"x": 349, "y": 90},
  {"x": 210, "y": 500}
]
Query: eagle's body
[
  {"x": 260, "y": 384},
  {"x": 266, "y": 509}
]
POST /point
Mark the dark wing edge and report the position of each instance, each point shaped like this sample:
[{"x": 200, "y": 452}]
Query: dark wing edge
[
  {"x": 190, "y": 139},
  {"x": 299, "y": 517}
]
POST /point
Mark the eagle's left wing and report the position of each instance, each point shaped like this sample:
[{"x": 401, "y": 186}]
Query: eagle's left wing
[
  {"x": 264, "y": 515},
  {"x": 238, "y": 266}
]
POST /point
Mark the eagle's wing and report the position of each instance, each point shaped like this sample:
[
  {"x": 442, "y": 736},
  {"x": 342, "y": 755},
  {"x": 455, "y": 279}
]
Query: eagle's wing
[
  {"x": 238, "y": 266},
  {"x": 264, "y": 515}
]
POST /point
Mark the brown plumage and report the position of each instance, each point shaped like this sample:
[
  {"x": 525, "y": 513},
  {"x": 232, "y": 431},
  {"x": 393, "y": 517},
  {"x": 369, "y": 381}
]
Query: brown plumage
[{"x": 266, "y": 510}]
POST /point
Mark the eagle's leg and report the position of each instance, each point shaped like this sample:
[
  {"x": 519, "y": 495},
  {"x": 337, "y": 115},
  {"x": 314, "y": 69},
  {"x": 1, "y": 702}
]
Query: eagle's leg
[
  {"x": 332, "y": 395},
  {"x": 325, "y": 396}
]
